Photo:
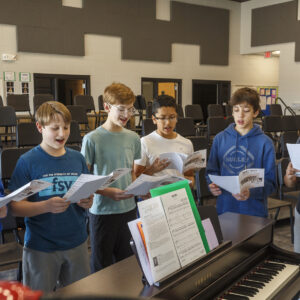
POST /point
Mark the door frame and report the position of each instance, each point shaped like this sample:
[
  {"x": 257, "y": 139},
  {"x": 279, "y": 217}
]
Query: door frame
[
  {"x": 56, "y": 77},
  {"x": 155, "y": 85}
]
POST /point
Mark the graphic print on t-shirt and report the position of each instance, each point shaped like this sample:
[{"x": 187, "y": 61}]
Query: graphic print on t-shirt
[
  {"x": 237, "y": 159},
  {"x": 61, "y": 183}
]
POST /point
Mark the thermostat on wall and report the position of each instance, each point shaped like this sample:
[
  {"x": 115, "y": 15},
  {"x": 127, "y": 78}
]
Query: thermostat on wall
[{"x": 9, "y": 57}]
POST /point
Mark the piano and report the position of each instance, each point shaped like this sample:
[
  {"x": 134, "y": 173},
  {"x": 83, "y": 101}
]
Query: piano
[{"x": 250, "y": 267}]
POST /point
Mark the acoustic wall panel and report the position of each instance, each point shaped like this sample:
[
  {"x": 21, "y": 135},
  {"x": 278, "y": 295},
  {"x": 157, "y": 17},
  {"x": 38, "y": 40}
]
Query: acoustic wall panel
[
  {"x": 48, "y": 27},
  {"x": 276, "y": 24}
]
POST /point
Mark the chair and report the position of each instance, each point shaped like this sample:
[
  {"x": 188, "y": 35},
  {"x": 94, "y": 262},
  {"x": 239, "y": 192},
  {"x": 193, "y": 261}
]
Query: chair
[
  {"x": 9, "y": 158},
  {"x": 185, "y": 127},
  {"x": 195, "y": 112},
  {"x": 229, "y": 120},
  {"x": 102, "y": 111},
  {"x": 11, "y": 252},
  {"x": 140, "y": 105},
  {"x": 79, "y": 115},
  {"x": 27, "y": 135},
  {"x": 214, "y": 126},
  {"x": 75, "y": 136},
  {"x": 289, "y": 137},
  {"x": 289, "y": 123},
  {"x": 180, "y": 111},
  {"x": 39, "y": 99},
  {"x": 20, "y": 103},
  {"x": 215, "y": 110},
  {"x": 275, "y": 110},
  {"x": 8, "y": 120},
  {"x": 88, "y": 102},
  {"x": 149, "y": 110},
  {"x": 147, "y": 126},
  {"x": 228, "y": 110},
  {"x": 272, "y": 126}
]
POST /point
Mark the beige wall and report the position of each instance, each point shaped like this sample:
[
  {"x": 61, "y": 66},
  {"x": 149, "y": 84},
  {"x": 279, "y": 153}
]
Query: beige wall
[{"x": 103, "y": 60}]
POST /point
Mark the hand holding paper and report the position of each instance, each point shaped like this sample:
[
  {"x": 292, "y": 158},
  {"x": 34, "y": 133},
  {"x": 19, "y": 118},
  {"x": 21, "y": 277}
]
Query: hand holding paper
[
  {"x": 87, "y": 184},
  {"x": 249, "y": 178}
]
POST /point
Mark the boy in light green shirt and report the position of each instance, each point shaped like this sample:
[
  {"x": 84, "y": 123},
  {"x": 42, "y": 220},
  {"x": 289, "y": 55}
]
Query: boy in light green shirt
[{"x": 107, "y": 148}]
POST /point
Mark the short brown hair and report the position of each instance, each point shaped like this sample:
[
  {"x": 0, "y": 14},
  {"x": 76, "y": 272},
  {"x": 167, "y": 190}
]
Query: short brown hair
[
  {"x": 118, "y": 92},
  {"x": 250, "y": 96},
  {"x": 47, "y": 111}
]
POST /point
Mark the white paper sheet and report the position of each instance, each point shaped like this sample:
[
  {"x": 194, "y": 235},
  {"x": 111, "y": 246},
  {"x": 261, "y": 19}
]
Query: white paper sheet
[
  {"x": 88, "y": 184},
  {"x": 210, "y": 234},
  {"x": 25, "y": 191},
  {"x": 229, "y": 183},
  {"x": 249, "y": 178},
  {"x": 294, "y": 153},
  {"x": 144, "y": 183},
  {"x": 183, "y": 162},
  {"x": 161, "y": 250},
  {"x": 183, "y": 226}
]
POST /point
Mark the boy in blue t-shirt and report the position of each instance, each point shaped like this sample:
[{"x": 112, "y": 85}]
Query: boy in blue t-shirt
[
  {"x": 243, "y": 145},
  {"x": 107, "y": 148},
  {"x": 55, "y": 243}
]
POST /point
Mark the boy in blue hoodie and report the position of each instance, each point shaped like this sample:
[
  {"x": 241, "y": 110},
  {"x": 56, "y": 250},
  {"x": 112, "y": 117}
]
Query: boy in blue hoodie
[{"x": 243, "y": 145}]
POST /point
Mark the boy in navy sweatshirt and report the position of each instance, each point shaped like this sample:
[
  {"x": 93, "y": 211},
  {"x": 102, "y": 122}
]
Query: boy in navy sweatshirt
[{"x": 243, "y": 145}]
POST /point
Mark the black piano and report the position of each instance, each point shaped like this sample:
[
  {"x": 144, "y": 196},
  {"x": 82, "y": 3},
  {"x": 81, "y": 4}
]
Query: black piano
[{"x": 250, "y": 267}]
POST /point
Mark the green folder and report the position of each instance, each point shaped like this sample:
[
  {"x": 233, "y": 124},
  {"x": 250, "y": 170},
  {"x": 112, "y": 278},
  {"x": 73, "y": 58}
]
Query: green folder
[{"x": 184, "y": 184}]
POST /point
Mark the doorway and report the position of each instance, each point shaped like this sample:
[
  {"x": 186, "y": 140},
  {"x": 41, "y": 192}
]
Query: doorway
[
  {"x": 210, "y": 92},
  {"x": 153, "y": 87},
  {"x": 63, "y": 87}
]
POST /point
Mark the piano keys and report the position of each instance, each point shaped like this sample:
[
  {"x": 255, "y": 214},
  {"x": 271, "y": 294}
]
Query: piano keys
[{"x": 263, "y": 282}]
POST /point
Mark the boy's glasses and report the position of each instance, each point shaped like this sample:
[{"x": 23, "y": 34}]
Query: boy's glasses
[
  {"x": 122, "y": 110},
  {"x": 164, "y": 119}
]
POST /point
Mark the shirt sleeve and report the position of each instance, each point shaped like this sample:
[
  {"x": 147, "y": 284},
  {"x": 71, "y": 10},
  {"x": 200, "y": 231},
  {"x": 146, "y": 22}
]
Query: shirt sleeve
[
  {"x": 142, "y": 161},
  {"x": 20, "y": 176},
  {"x": 88, "y": 150}
]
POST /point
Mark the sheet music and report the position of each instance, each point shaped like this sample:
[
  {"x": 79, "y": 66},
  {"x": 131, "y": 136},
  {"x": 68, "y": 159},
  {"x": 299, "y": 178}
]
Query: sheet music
[
  {"x": 294, "y": 153},
  {"x": 183, "y": 162},
  {"x": 183, "y": 226},
  {"x": 88, "y": 184},
  {"x": 25, "y": 191},
  {"x": 144, "y": 183},
  {"x": 161, "y": 251},
  {"x": 249, "y": 178}
]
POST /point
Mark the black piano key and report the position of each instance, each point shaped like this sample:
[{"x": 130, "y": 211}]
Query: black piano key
[
  {"x": 273, "y": 266},
  {"x": 257, "y": 277},
  {"x": 269, "y": 276},
  {"x": 234, "y": 297},
  {"x": 245, "y": 291},
  {"x": 255, "y": 284},
  {"x": 267, "y": 271},
  {"x": 250, "y": 289}
]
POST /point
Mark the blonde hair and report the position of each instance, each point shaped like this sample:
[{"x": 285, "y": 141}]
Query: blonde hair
[
  {"x": 48, "y": 111},
  {"x": 118, "y": 92}
]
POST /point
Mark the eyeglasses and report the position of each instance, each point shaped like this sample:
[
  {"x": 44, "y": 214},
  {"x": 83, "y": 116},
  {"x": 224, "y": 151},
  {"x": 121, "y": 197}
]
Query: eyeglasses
[
  {"x": 122, "y": 110},
  {"x": 164, "y": 119}
]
